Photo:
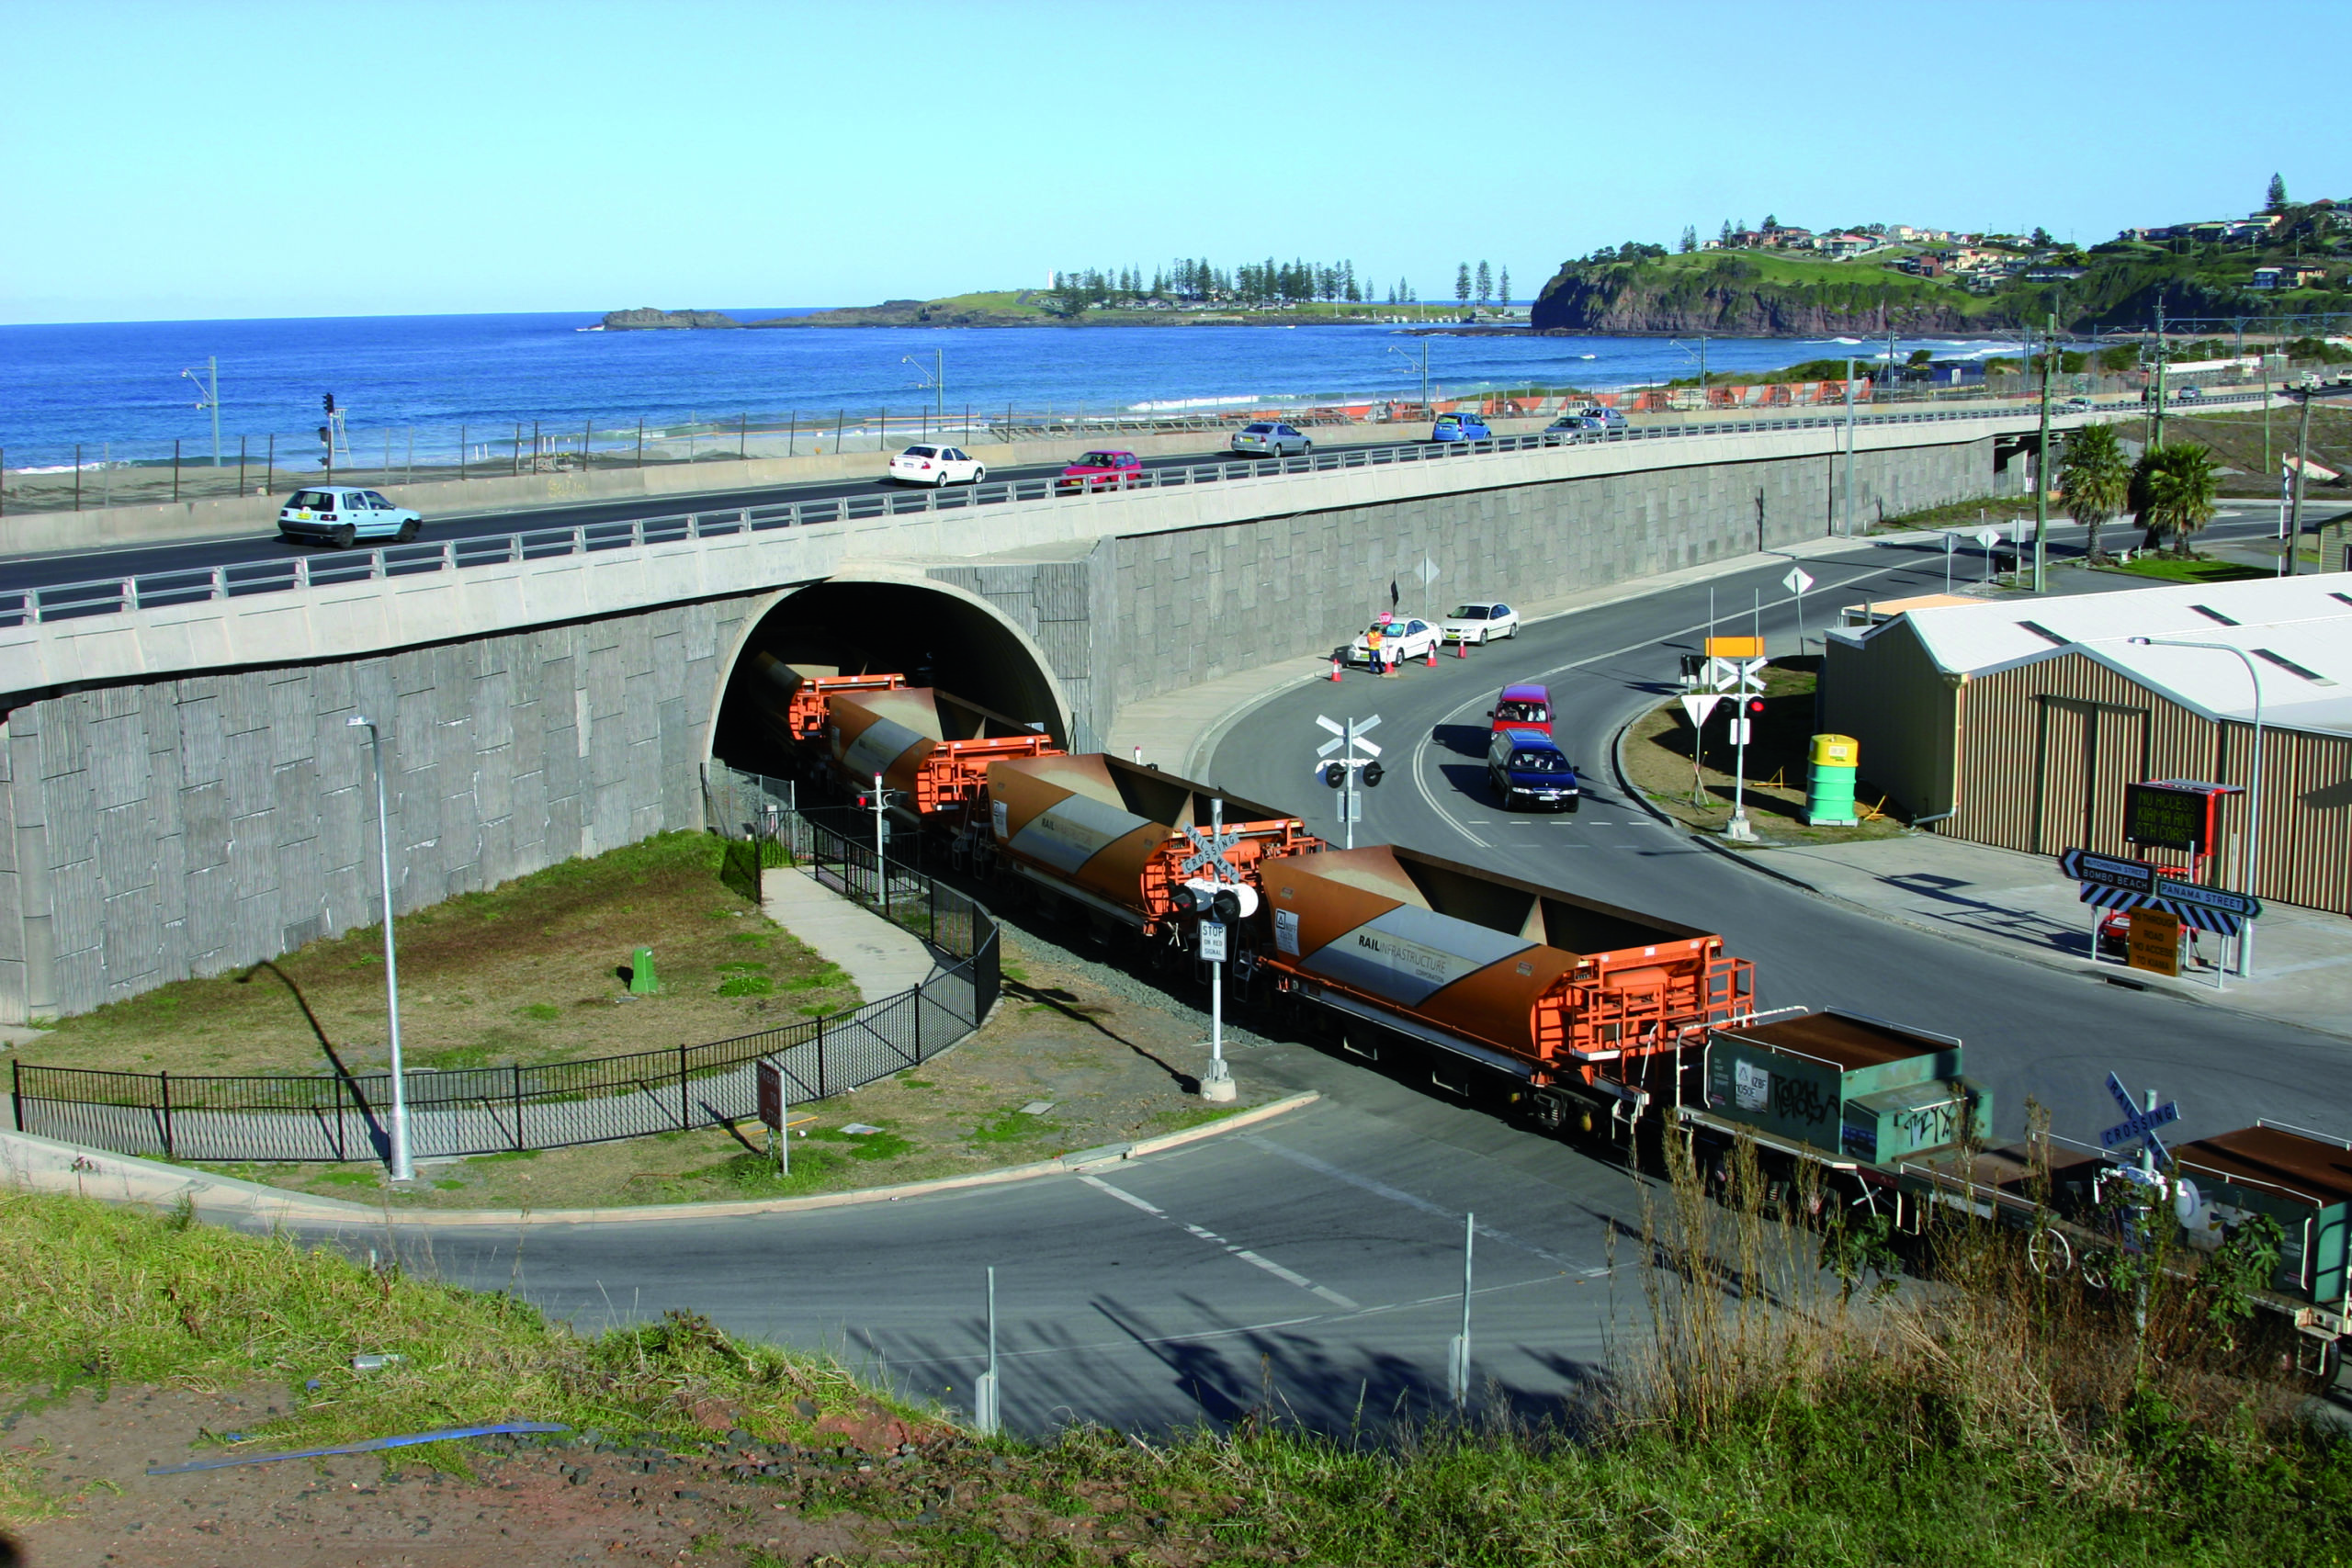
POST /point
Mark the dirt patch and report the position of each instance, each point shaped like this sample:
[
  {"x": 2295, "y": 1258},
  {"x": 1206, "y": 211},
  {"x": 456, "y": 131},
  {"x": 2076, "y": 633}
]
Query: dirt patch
[
  {"x": 884, "y": 1489},
  {"x": 1661, "y": 748},
  {"x": 535, "y": 970},
  {"x": 1061, "y": 1065}
]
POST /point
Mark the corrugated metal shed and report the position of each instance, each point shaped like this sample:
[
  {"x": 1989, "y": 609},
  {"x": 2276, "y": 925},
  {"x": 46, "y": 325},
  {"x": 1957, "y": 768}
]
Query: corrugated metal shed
[{"x": 2017, "y": 723}]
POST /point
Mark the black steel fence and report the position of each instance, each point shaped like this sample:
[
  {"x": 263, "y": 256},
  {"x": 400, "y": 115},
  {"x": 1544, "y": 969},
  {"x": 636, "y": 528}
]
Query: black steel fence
[{"x": 476, "y": 1110}]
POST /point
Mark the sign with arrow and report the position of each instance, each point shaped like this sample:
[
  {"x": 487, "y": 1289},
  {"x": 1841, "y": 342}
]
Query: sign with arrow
[{"x": 2108, "y": 871}]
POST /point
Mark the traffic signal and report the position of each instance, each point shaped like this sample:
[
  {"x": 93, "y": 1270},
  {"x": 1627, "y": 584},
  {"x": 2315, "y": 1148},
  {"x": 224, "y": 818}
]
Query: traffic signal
[
  {"x": 1372, "y": 774},
  {"x": 1335, "y": 774},
  {"x": 1223, "y": 900},
  {"x": 328, "y": 399},
  {"x": 1752, "y": 707}
]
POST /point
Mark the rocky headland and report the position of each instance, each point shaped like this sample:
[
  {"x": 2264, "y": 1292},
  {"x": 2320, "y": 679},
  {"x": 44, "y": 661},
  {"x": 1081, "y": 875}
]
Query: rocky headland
[{"x": 645, "y": 318}]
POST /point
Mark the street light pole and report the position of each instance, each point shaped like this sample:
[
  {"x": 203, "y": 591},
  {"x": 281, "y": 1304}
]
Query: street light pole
[
  {"x": 401, "y": 1169},
  {"x": 1850, "y": 450},
  {"x": 2042, "y": 468},
  {"x": 2288, "y": 566},
  {"x": 2254, "y": 784}
]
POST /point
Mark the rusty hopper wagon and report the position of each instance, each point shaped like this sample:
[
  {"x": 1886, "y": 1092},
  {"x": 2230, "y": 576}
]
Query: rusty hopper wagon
[
  {"x": 793, "y": 705},
  {"x": 1571, "y": 997},
  {"x": 933, "y": 747},
  {"x": 1836, "y": 1089},
  {"x": 1113, "y": 836}
]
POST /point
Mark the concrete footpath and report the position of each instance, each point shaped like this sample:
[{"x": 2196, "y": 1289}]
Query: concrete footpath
[
  {"x": 2020, "y": 906},
  {"x": 883, "y": 958}
]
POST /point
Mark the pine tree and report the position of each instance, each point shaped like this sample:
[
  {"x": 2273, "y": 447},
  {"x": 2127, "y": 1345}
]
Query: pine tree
[
  {"x": 2277, "y": 199},
  {"x": 1725, "y": 238},
  {"x": 1503, "y": 286},
  {"x": 1485, "y": 283},
  {"x": 1462, "y": 283},
  {"x": 1689, "y": 239}
]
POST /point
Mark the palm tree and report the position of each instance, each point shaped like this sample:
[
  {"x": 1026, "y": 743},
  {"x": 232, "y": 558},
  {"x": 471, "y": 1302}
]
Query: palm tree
[
  {"x": 2172, "y": 489},
  {"x": 2095, "y": 480}
]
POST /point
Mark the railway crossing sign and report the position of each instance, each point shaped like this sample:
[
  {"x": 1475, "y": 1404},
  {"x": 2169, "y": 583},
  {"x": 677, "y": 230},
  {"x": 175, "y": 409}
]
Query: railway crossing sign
[
  {"x": 1729, "y": 675},
  {"x": 1207, "y": 858},
  {"x": 2140, "y": 1125}
]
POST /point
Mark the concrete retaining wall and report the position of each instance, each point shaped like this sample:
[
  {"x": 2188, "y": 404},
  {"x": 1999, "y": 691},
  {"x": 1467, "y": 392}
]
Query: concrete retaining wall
[{"x": 156, "y": 831}]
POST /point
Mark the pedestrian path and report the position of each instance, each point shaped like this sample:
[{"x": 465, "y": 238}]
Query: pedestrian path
[
  {"x": 2020, "y": 904},
  {"x": 883, "y": 958}
]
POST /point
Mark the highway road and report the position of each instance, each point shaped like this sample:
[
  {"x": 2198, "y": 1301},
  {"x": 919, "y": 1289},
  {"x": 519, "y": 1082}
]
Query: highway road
[{"x": 1312, "y": 1265}]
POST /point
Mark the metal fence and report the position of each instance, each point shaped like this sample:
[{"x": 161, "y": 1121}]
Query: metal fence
[
  {"x": 478, "y": 1110},
  {"x": 23, "y": 606}
]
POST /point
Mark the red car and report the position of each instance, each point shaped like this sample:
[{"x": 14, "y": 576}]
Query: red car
[{"x": 1099, "y": 470}]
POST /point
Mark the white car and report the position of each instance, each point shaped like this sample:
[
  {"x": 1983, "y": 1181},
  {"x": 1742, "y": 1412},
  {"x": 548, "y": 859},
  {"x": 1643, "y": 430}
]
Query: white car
[
  {"x": 1479, "y": 623},
  {"x": 941, "y": 466},
  {"x": 342, "y": 515},
  {"x": 1400, "y": 641}
]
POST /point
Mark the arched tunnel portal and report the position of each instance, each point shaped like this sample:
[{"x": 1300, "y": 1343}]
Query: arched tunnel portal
[{"x": 932, "y": 633}]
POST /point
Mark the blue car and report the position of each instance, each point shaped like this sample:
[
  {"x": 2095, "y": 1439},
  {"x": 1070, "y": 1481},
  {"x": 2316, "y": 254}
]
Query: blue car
[
  {"x": 1461, "y": 427},
  {"x": 1527, "y": 765}
]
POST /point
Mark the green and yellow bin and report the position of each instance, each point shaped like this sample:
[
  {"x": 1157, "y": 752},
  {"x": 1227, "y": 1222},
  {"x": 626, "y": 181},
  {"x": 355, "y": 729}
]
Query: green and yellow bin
[{"x": 1829, "y": 787}]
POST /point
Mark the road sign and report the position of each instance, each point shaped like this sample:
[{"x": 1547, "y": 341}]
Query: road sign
[
  {"x": 1988, "y": 538},
  {"x": 770, "y": 1074},
  {"x": 1796, "y": 581},
  {"x": 2138, "y": 1126},
  {"x": 1736, "y": 674},
  {"x": 1739, "y": 731},
  {"x": 1427, "y": 572},
  {"x": 2154, "y": 942},
  {"x": 2108, "y": 871},
  {"x": 1213, "y": 941},
  {"x": 1734, "y": 648},
  {"x": 1699, "y": 708},
  {"x": 2243, "y": 905}
]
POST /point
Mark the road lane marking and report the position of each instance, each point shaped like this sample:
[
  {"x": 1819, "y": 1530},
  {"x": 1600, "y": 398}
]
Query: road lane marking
[
  {"x": 1232, "y": 1249},
  {"x": 1380, "y": 1188}
]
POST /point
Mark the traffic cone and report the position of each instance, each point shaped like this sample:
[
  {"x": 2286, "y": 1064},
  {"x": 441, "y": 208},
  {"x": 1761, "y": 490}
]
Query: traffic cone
[
  {"x": 1335, "y": 668},
  {"x": 1432, "y": 659},
  {"x": 1462, "y": 647}
]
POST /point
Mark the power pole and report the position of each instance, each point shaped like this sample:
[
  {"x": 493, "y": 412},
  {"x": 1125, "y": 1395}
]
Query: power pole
[
  {"x": 2302, "y": 460},
  {"x": 2042, "y": 468},
  {"x": 2157, "y": 435},
  {"x": 1848, "y": 500}
]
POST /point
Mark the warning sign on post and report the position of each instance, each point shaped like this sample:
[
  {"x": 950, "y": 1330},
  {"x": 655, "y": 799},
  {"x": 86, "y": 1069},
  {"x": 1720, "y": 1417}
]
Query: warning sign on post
[{"x": 2155, "y": 941}]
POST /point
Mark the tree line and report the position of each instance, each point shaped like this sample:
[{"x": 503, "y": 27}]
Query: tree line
[{"x": 1197, "y": 281}]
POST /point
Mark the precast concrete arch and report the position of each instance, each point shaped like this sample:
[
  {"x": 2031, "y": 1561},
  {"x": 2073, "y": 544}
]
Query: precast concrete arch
[{"x": 878, "y": 620}]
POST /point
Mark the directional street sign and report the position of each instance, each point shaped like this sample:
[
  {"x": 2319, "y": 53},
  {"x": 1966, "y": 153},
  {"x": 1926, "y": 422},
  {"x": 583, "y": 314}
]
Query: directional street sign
[
  {"x": 2108, "y": 871},
  {"x": 2139, "y": 1126},
  {"x": 2243, "y": 905},
  {"x": 1796, "y": 581},
  {"x": 1699, "y": 708}
]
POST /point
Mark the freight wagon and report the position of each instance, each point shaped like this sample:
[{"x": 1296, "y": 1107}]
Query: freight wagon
[
  {"x": 2299, "y": 1180},
  {"x": 792, "y": 706},
  {"x": 1583, "y": 1006},
  {"x": 932, "y": 749},
  {"x": 1113, "y": 837}
]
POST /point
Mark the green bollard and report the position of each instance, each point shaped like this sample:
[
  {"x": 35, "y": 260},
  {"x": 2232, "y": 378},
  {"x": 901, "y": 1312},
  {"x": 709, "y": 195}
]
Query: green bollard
[{"x": 641, "y": 982}]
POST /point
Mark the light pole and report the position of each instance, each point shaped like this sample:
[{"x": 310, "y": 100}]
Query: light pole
[
  {"x": 2042, "y": 464},
  {"x": 209, "y": 385},
  {"x": 401, "y": 1169},
  {"x": 1425, "y": 371},
  {"x": 937, "y": 377},
  {"x": 2252, "y": 865}
]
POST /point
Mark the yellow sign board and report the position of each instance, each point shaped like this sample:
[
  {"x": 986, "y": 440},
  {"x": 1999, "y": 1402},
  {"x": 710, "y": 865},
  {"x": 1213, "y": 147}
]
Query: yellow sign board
[
  {"x": 2155, "y": 941},
  {"x": 1734, "y": 648}
]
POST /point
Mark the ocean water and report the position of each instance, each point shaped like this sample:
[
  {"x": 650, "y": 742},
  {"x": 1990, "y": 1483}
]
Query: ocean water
[{"x": 118, "y": 386}]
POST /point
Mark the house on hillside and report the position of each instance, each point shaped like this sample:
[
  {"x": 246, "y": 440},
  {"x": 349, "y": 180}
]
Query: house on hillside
[{"x": 2018, "y": 723}]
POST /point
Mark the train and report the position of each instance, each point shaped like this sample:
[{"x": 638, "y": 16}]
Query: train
[{"x": 1585, "y": 1018}]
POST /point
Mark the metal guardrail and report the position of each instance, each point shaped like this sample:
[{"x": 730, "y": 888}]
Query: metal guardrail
[
  {"x": 150, "y": 590},
  {"x": 478, "y": 1111}
]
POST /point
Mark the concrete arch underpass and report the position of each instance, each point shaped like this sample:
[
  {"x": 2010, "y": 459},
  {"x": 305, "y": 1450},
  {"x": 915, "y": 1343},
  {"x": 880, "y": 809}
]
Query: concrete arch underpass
[{"x": 932, "y": 632}]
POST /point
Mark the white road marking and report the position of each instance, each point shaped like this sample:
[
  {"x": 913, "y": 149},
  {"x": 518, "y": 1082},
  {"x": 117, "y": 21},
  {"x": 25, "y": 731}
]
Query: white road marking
[
  {"x": 1379, "y": 1189},
  {"x": 1233, "y": 1249}
]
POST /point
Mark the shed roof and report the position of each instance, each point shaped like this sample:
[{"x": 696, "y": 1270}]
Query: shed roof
[{"x": 2297, "y": 631}]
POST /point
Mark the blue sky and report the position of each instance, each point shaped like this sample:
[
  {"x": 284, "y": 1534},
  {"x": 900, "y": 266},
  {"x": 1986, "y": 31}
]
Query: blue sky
[{"x": 207, "y": 158}]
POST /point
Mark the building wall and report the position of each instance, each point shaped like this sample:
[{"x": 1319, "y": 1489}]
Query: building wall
[
  {"x": 1889, "y": 696},
  {"x": 153, "y": 832},
  {"x": 2047, "y": 748}
]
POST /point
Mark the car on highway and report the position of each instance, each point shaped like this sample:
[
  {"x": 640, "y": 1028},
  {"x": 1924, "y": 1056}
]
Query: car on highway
[
  {"x": 940, "y": 466},
  {"x": 1461, "y": 427},
  {"x": 1526, "y": 766},
  {"x": 1401, "y": 638},
  {"x": 1596, "y": 418},
  {"x": 1523, "y": 706},
  {"x": 2078, "y": 405},
  {"x": 1101, "y": 471},
  {"x": 1268, "y": 438},
  {"x": 1480, "y": 623},
  {"x": 2190, "y": 394},
  {"x": 342, "y": 515}
]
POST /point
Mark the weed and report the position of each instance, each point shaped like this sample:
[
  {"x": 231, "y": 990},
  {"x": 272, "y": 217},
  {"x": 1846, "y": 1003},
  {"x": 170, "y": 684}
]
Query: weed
[{"x": 542, "y": 1012}]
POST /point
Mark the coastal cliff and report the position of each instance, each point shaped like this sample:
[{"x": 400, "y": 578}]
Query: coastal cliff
[
  {"x": 1737, "y": 298},
  {"x": 645, "y": 318}
]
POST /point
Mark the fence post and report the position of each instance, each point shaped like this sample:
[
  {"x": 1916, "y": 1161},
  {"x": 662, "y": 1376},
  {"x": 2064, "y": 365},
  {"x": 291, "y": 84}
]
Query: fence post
[
  {"x": 16, "y": 1090},
  {"x": 176, "y": 469},
  {"x": 517, "y": 1067},
  {"x": 166, "y": 1079},
  {"x": 682, "y": 1086},
  {"x": 821, "y": 1055},
  {"x": 338, "y": 1116}
]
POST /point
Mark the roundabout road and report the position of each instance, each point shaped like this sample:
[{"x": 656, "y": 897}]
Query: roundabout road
[{"x": 1311, "y": 1264}]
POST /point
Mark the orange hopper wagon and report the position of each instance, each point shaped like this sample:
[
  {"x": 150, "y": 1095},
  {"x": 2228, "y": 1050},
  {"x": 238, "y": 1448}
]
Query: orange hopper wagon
[
  {"x": 933, "y": 747},
  {"x": 1586, "y": 1003},
  {"x": 793, "y": 703},
  {"x": 1113, "y": 836}
]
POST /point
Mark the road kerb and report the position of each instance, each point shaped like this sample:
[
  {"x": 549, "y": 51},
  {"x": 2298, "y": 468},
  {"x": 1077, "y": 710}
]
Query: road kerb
[{"x": 28, "y": 1163}]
